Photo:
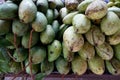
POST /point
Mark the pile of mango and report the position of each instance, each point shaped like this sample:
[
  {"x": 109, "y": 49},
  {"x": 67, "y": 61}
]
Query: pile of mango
[{"x": 43, "y": 36}]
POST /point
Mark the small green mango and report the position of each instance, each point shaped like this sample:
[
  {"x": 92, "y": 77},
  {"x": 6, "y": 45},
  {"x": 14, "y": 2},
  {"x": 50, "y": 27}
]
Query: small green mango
[
  {"x": 68, "y": 55},
  {"x": 8, "y": 10},
  {"x": 26, "y": 39},
  {"x": 47, "y": 67},
  {"x": 19, "y": 28},
  {"x": 40, "y": 22},
  {"x": 38, "y": 54},
  {"x": 34, "y": 68},
  {"x": 63, "y": 67},
  {"x": 105, "y": 51},
  {"x": 55, "y": 26},
  {"x": 48, "y": 35},
  {"x": 20, "y": 54},
  {"x": 116, "y": 49},
  {"x": 69, "y": 17},
  {"x": 50, "y": 16},
  {"x": 79, "y": 66},
  {"x": 54, "y": 50},
  {"x": 96, "y": 65},
  {"x": 81, "y": 23},
  {"x": 87, "y": 51}
]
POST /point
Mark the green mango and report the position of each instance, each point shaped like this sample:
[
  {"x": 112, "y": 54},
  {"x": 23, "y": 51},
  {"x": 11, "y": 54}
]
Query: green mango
[
  {"x": 10, "y": 38},
  {"x": 116, "y": 49},
  {"x": 48, "y": 35},
  {"x": 113, "y": 66},
  {"x": 56, "y": 13},
  {"x": 83, "y": 5},
  {"x": 52, "y": 4},
  {"x": 27, "y": 11},
  {"x": 96, "y": 65},
  {"x": 81, "y": 23},
  {"x": 38, "y": 54},
  {"x": 87, "y": 51},
  {"x": 54, "y": 50},
  {"x": 73, "y": 41},
  {"x": 4, "y": 26},
  {"x": 55, "y": 26},
  {"x": 63, "y": 67},
  {"x": 94, "y": 36},
  {"x": 110, "y": 23},
  {"x": 8, "y": 10},
  {"x": 15, "y": 67},
  {"x": 50, "y": 16},
  {"x": 20, "y": 54},
  {"x": 63, "y": 12},
  {"x": 19, "y": 28},
  {"x": 105, "y": 51},
  {"x": 47, "y": 67},
  {"x": 79, "y": 66},
  {"x": 34, "y": 68},
  {"x": 42, "y": 5},
  {"x": 26, "y": 37},
  {"x": 69, "y": 17},
  {"x": 114, "y": 39},
  {"x": 68, "y": 55},
  {"x": 40, "y": 22}
]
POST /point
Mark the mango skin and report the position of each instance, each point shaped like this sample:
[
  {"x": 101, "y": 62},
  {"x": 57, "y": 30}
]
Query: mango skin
[{"x": 117, "y": 52}]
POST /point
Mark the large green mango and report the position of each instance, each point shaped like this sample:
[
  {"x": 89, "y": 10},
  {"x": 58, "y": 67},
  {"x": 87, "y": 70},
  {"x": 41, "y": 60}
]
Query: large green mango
[{"x": 27, "y": 11}]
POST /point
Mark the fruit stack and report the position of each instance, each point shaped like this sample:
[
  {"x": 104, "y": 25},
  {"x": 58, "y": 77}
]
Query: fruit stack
[{"x": 43, "y": 36}]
